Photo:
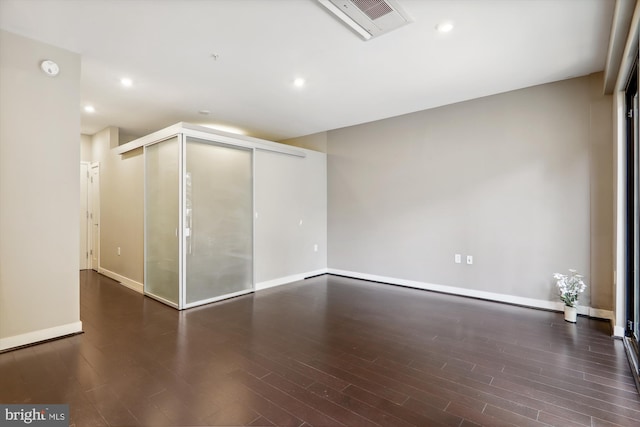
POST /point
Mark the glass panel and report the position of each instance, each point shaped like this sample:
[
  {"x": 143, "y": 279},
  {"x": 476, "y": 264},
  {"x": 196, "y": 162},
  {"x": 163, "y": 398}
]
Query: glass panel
[
  {"x": 218, "y": 220},
  {"x": 162, "y": 208}
]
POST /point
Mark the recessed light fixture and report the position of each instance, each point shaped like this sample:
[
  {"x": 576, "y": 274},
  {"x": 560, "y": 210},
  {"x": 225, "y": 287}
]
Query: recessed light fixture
[
  {"x": 444, "y": 26},
  {"x": 126, "y": 82},
  {"x": 204, "y": 112},
  {"x": 299, "y": 82},
  {"x": 89, "y": 109}
]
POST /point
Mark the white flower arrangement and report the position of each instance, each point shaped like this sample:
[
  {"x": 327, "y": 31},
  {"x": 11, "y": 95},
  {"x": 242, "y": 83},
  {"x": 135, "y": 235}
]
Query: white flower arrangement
[{"x": 570, "y": 287}]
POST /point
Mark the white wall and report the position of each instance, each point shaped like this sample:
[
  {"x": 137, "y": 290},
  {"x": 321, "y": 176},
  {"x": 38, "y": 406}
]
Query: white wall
[
  {"x": 39, "y": 192},
  {"x": 121, "y": 209},
  {"x": 291, "y": 202},
  {"x": 522, "y": 181},
  {"x": 287, "y": 189}
]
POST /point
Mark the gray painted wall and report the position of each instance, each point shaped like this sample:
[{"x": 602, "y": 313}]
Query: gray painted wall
[
  {"x": 121, "y": 206},
  {"x": 85, "y": 148},
  {"x": 316, "y": 142},
  {"x": 290, "y": 190},
  {"x": 39, "y": 192},
  {"x": 287, "y": 190},
  {"x": 522, "y": 181}
]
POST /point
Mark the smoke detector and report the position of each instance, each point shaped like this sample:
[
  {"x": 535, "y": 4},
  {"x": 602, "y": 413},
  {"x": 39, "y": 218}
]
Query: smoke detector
[
  {"x": 50, "y": 68},
  {"x": 368, "y": 18}
]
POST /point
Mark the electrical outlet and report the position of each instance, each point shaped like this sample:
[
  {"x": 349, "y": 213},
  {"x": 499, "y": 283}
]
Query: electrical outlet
[
  {"x": 315, "y": 248},
  {"x": 469, "y": 259},
  {"x": 458, "y": 258}
]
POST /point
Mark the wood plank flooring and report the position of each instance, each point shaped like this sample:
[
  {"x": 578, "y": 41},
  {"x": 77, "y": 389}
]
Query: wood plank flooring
[{"x": 328, "y": 351}]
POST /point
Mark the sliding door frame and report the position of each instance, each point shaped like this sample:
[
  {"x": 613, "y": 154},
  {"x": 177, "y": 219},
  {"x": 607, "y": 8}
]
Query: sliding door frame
[
  {"x": 185, "y": 137},
  {"x": 183, "y": 132},
  {"x": 631, "y": 254}
]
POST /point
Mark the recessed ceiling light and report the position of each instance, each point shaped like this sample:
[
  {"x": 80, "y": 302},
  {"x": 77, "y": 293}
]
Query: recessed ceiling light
[
  {"x": 445, "y": 26},
  {"x": 204, "y": 112},
  {"x": 299, "y": 82},
  {"x": 89, "y": 109},
  {"x": 126, "y": 82}
]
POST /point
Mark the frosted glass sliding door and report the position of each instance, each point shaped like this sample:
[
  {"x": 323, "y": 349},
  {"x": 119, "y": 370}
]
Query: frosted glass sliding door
[
  {"x": 162, "y": 220},
  {"x": 218, "y": 220}
]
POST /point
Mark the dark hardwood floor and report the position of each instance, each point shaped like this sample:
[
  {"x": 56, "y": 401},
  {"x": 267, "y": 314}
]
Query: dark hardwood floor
[{"x": 327, "y": 351}]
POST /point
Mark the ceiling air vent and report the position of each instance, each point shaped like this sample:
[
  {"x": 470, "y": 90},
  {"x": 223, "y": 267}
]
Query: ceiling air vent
[{"x": 369, "y": 18}]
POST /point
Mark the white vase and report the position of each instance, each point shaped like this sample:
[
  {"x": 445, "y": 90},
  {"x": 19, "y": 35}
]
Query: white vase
[{"x": 570, "y": 314}]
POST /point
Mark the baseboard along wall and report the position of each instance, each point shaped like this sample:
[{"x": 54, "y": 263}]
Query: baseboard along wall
[
  {"x": 288, "y": 279},
  {"x": 40, "y": 335},
  {"x": 124, "y": 281},
  {"x": 490, "y": 296}
]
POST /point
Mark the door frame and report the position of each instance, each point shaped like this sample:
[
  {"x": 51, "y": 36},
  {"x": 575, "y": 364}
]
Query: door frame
[
  {"x": 85, "y": 224},
  {"x": 631, "y": 173},
  {"x": 94, "y": 215}
]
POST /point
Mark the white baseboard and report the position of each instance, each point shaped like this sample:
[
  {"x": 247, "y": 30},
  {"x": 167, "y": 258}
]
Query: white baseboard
[
  {"x": 288, "y": 279},
  {"x": 40, "y": 335},
  {"x": 139, "y": 287},
  {"x": 618, "y": 331},
  {"x": 491, "y": 296},
  {"x": 125, "y": 281}
]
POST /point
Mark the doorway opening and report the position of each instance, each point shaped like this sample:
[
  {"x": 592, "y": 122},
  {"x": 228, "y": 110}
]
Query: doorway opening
[{"x": 89, "y": 216}]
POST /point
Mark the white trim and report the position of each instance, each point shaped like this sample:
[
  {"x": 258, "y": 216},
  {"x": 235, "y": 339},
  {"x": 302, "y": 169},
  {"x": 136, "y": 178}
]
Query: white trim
[
  {"x": 215, "y": 299},
  {"x": 180, "y": 232},
  {"x": 288, "y": 279},
  {"x": 139, "y": 287},
  {"x": 630, "y": 50},
  {"x": 124, "y": 281},
  {"x": 623, "y": 14},
  {"x": 40, "y": 335},
  {"x": 84, "y": 216},
  {"x": 314, "y": 273},
  {"x": 618, "y": 331},
  {"x": 91, "y": 194},
  {"x": 208, "y": 133},
  {"x": 491, "y": 296},
  {"x": 253, "y": 220},
  {"x": 620, "y": 212}
]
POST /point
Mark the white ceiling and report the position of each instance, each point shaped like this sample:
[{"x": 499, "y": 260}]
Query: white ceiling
[{"x": 166, "y": 47}]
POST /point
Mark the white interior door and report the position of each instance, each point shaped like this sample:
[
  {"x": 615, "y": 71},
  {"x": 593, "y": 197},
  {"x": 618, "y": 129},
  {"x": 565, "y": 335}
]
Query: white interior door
[
  {"x": 94, "y": 215},
  {"x": 84, "y": 216}
]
